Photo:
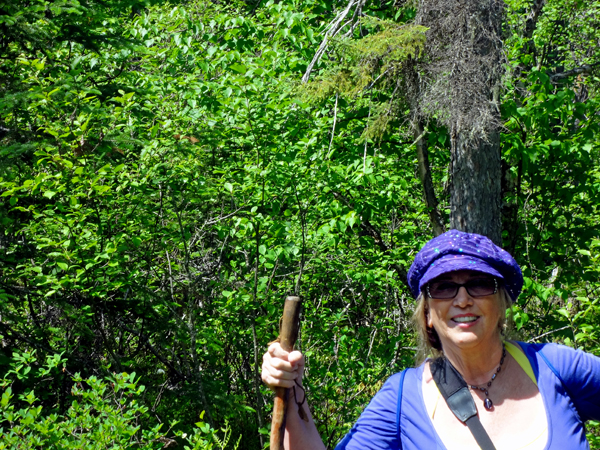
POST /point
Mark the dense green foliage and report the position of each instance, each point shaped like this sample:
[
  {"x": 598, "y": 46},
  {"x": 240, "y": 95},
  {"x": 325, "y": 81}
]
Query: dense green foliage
[{"x": 166, "y": 182}]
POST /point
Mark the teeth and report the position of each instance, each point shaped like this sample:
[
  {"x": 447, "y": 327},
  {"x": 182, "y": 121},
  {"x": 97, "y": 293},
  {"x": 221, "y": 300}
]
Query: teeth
[{"x": 465, "y": 319}]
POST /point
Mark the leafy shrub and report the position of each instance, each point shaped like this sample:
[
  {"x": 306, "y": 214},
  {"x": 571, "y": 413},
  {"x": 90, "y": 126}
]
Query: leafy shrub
[{"x": 103, "y": 414}]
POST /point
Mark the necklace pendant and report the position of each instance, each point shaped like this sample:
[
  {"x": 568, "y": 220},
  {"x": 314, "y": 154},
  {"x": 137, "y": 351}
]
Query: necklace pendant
[{"x": 487, "y": 403}]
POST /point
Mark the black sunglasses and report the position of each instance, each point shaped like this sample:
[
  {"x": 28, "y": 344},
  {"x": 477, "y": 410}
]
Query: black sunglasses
[{"x": 478, "y": 287}]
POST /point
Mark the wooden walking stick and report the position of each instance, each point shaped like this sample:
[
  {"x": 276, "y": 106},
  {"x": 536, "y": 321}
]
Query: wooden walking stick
[{"x": 288, "y": 332}]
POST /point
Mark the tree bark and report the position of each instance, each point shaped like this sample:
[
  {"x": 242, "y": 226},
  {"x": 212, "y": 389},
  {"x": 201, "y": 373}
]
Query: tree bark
[{"x": 475, "y": 194}]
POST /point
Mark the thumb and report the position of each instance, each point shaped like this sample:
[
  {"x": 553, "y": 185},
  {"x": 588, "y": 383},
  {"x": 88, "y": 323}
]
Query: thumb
[{"x": 296, "y": 359}]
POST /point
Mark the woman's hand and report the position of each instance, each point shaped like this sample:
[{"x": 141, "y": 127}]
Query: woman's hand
[
  {"x": 284, "y": 369},
  {"x": 281, "y": 368}
]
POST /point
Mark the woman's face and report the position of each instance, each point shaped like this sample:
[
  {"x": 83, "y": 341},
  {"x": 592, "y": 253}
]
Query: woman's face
[{"x": 465, "y": 321}]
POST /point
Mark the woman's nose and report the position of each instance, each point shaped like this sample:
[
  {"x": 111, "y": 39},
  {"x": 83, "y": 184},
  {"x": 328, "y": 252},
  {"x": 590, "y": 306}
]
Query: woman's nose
[{"x": 462, "y": 297}]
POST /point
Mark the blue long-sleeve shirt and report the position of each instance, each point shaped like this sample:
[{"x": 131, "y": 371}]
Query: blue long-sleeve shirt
[{"x": 568, "y": 380}]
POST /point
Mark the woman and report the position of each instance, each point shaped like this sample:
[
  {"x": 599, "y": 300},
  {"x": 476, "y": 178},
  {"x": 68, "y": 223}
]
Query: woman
[{"x": 527, "y": 396}]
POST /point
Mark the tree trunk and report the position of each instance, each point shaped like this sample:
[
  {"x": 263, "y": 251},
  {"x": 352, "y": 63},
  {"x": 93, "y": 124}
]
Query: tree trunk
[
  {"x": 460, "y": 86},
  {"x": 475, "y": 195}
]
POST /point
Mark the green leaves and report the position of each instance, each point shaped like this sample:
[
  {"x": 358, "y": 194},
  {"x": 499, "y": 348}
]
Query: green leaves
[
  {"x": 164, "y": 182},
  {"x": 106, "y": 412}
]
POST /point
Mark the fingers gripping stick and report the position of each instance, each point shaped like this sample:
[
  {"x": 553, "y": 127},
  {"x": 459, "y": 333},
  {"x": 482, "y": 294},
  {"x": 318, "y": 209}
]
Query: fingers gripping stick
[{"x": 288, "y": 332}]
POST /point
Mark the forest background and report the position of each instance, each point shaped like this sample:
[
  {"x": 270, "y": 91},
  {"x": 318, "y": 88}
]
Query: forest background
[{"x": 167, "y": 179}]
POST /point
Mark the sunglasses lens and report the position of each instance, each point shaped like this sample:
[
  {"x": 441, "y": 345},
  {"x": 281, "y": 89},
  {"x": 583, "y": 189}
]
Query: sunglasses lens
[
  {"x": 481, "y": 287},
  {"x": 443, "y": 289}
]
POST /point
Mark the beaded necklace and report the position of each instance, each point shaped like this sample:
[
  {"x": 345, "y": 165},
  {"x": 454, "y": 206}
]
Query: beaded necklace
[{"x": 487, "y": 403}]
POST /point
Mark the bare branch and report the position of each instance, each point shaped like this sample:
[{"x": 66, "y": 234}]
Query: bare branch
[
  {"x": 549, "y": 332},
  {"x": 332, "y": 30},
  {"x": 376, "y": 235},
  {"x": 425, "y": 176},
  {"x": 586, "y": 68},
  {"x": 532, "y": 18},
  {"x": 334, "y": 121}
]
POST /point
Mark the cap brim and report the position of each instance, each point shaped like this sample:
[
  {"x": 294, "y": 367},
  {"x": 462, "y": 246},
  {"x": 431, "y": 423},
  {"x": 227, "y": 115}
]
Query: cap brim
[{"x": 453, "y": 263}]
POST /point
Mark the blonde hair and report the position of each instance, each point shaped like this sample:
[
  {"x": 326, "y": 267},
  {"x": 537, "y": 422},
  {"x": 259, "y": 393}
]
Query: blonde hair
[{"x": 428, "y": 341}]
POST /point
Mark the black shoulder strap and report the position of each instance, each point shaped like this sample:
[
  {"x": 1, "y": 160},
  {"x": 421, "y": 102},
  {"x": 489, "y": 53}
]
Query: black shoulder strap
[{"x": 456, "y": 393}]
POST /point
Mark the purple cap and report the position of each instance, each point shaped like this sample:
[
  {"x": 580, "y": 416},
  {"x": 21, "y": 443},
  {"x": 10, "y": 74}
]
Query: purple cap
[{"x": 455, "y": 250}]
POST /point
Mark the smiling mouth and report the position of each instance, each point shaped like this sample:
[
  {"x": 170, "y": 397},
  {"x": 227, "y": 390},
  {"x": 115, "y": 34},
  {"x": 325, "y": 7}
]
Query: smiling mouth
[{"x": 465, "y": 319}]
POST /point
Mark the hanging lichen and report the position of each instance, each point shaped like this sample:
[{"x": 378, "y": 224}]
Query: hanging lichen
[{"x": 460, "y": 78}]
